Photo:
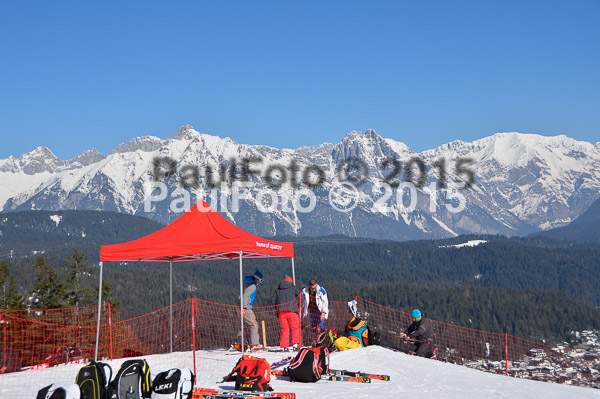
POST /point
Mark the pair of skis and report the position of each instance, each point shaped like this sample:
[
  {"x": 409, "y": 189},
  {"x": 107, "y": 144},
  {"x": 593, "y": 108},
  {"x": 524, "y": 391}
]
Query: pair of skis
[
  {"x": 358, "y": 375},
  {"x": 282, "y": 362},
  {"x": 233, "y": 349},
  {"x": 347, "y": 378},
  {"x": 329, "y": 377},
  {"x": 280, "y": 349},
  {"x": 344, "y": 375},
  {"x": 209, "y": 393}
]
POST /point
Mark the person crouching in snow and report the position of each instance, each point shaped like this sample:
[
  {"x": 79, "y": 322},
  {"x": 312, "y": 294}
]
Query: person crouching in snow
[
  {"x": 316, "y": 303},
  {"x": 250, "y": 284},
  {"x": 420, "y": 335},
  {"x": 285, "y": 299}
]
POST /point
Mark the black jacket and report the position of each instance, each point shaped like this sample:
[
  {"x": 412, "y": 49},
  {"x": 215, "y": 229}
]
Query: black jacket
[
  {"x": 285, "y": 297},
  {"x": 420, "y": 330}
]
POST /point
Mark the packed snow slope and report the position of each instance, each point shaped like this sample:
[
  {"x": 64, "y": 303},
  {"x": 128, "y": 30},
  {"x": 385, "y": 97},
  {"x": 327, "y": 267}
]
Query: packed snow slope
[{"x": 409, "y": 377}]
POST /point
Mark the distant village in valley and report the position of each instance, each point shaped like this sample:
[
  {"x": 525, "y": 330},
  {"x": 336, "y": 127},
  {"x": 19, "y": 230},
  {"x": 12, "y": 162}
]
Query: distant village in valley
[{"x": 574, "y": 364}]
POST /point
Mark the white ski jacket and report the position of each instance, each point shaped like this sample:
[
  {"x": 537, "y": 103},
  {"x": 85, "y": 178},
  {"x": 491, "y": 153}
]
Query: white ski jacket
[{"x": 320, "y": 297}]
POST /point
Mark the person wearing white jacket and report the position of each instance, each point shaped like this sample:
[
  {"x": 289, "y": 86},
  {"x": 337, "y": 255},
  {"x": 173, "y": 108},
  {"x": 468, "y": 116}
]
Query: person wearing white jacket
[{"x": 315, "y": 304}]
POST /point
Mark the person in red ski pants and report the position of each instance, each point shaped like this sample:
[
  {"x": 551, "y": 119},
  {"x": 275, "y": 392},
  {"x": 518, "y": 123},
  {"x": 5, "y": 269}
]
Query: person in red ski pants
[{"x": 286, "y": 301}]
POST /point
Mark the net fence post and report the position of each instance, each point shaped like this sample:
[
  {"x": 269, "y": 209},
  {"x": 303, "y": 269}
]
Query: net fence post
[
  {"x": 194, "y": 333},
  {"x": 506, "y": 351},
  {"x": 241, "y": 304},
  {"x": 170, "y": 305},
  {"x": 5, "y": 357},
  {"x": 99, "y": 312},
  {"x": 110, "y": 330},
  {"x": 301, "y": 295}
]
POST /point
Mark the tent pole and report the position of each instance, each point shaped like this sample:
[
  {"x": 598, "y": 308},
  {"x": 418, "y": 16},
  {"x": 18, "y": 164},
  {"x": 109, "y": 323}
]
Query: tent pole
[
  {"x": 241, "y": 303},
  {"x": 99, "y": 312},
  {"x": 171, "y": 305},
  {"x": 293, "y": 272}
]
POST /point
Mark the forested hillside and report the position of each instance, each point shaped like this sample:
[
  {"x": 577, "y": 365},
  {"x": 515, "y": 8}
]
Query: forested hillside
[
  {"x": 534, "y": 287},
  {"x": 58, "y": 232}
]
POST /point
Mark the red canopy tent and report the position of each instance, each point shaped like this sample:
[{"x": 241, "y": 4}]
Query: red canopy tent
[{"x": 199, "y": 234}]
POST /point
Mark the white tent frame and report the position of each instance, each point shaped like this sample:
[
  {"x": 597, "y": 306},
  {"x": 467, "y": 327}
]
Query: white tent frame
[{"x": 189, "y": 258}]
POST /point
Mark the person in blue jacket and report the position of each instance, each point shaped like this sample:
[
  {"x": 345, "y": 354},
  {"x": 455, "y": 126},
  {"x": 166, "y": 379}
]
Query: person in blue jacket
[{"x": 249, "y": 293}]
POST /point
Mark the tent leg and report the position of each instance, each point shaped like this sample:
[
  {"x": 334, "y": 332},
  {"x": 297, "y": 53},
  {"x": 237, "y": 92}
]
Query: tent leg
[
  {"x": 170, "y": 305},
  {"x": 241, "y": 303},
  {"x": 293, "y": 273},
  {"x": 99, "y": 312}
]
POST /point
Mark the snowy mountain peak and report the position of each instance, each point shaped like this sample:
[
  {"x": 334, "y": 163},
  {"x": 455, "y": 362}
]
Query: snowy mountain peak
[
  {"x": 39, "y": 160},
  {"x": 38, "y": 153},
  {"x": 186, "y": 132},
  {"x": 367, "y": 139},
  {"x": 512, "y": 148},
  {"x": 515, "y": 139},
  {"x": 370, "y": 134},
  {"x": 519, "y": 149},
  {"x": 144, "y": 143},
  {"x": 399, "y": 147},
  {"x": 87, "y": 157},
  {"x": 370, "y": 147}
]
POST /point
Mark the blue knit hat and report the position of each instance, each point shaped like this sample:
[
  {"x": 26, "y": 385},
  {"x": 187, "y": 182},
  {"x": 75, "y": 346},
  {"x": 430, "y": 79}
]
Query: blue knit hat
[
  {"x": 258, "y": 275},
  {"x": 416, "y": 314}
]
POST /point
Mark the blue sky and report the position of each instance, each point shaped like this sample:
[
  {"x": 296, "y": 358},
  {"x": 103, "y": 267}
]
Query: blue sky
[{"x": 75, "y": 75}]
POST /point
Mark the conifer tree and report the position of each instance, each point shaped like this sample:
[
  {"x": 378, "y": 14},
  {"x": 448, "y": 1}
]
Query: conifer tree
[
  {"x": 75, "y": 268},
  {"x": 107, "y": 294},
  {"x": 48, "y": 290},
  {"x": 10, "y": 298}
]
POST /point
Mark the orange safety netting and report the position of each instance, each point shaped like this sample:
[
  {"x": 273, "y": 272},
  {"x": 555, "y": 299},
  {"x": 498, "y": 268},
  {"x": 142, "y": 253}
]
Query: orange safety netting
[{"x": 33, "y": 339}]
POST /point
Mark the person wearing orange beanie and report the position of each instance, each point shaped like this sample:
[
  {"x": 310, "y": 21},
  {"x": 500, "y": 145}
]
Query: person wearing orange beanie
[{"x": 286, "y": 301}]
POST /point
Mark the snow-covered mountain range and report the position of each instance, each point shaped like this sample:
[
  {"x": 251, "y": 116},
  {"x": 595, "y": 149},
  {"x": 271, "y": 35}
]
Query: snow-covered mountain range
[{"x": 521, "y": 183}]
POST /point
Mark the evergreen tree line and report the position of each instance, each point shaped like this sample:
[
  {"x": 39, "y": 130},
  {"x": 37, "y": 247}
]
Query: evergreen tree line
[
  {"x": 539, "y": 315},
  {"x": 51, "y": 287},
  {"x": 58, "y": 232},
  {"x": 528, "y": 264},
  {"x": 535, "y": 263}
]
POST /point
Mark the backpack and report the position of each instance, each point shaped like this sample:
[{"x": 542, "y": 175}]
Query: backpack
[
  {"x": 67, "y": 390},
  {"x": 176, "y": 383},
  {"x": 92, "y": 380},
  {"x": 131, "y": 382},
  {"x": 309, "y": 364},
  {"x": 356, "y": 330},
  {"x": 251, "y": 374},
  {"x": 373, "y": 337}
]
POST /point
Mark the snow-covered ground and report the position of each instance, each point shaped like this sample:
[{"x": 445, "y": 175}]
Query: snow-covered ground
[
  {"x": 470, "y": 243},
  {"x": 410, "y": 376}
]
